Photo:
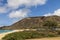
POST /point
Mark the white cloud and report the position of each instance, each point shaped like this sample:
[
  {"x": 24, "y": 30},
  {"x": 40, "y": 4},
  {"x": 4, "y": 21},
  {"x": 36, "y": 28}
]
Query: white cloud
[
  {"x": 19, "y": 14},
  {"x": 14, "y": 4},
  {"x": 27, "y": 3},
  {"x": 48, "y": 14},
  {"x": 3, "y": 10},
  {"x": 56, "y": 12}
]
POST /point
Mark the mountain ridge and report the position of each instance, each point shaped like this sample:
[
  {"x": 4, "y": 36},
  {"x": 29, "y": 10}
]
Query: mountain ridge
[{"x": 32, "y": 22}]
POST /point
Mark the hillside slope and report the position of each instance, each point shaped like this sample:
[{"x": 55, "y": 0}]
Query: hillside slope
[{"x": 32, "y": 22}]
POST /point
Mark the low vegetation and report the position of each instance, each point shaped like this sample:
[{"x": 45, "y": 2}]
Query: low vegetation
[{"x": 29, "y": 35}]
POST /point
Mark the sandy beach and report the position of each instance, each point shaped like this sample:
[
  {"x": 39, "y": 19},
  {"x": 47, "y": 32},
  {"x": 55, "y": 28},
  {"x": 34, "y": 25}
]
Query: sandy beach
[{"x": 3, "y": 34}]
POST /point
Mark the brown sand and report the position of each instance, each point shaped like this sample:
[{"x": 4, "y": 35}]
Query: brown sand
[{"x": 54, "y": 38}]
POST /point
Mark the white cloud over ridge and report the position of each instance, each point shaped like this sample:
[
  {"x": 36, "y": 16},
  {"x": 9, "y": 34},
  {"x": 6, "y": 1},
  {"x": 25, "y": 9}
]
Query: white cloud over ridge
[
  {"x": 14, "y": 4},
  {"x": 56, "y": 12},
  {"x": 19, "y": 14}
]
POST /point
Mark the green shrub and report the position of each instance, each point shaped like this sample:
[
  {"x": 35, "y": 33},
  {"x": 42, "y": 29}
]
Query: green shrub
[{"x": 26, "y": 35}]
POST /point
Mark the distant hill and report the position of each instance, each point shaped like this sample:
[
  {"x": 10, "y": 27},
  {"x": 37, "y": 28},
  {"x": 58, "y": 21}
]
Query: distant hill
[{"x": 32, "y": 22}]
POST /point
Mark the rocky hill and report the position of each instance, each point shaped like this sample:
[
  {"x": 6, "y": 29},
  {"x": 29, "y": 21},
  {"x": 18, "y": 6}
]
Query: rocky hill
[{"x": 32, "y": 22}]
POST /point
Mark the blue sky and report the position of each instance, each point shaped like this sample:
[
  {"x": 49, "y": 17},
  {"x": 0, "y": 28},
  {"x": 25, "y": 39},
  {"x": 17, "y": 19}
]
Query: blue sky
[{"x": 12, "y": 11}]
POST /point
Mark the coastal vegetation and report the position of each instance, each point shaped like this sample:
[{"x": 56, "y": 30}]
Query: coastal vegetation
[{"x": 29, "y": 35}]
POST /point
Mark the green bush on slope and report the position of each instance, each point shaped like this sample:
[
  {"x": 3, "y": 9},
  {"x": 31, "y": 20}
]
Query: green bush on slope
[{"x": 26, "y": 35}]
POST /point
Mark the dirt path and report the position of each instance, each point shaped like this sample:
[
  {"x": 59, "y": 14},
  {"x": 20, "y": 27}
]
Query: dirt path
[{"x": 54, "y": 38}]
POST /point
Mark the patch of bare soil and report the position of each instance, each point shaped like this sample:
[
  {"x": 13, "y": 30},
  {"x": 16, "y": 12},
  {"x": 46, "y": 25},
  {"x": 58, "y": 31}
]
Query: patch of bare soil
[{"x": 54, "y": 38}]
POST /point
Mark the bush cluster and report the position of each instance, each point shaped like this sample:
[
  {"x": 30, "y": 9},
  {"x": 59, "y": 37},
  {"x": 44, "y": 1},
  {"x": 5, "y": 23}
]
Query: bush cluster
[{"x": 27, "y": 35}]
